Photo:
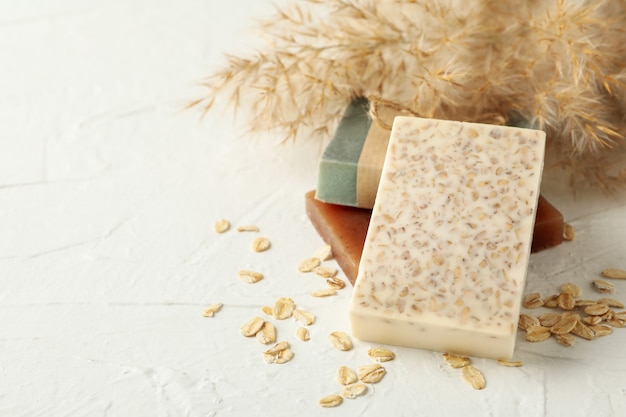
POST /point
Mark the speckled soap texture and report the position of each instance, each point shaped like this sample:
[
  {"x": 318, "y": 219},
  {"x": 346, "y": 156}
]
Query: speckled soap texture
[{"x": 447, "y": 249}]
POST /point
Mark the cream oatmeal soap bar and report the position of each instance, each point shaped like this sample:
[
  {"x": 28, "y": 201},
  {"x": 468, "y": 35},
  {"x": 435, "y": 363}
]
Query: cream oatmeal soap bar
[{"x": 447, "y": 248}]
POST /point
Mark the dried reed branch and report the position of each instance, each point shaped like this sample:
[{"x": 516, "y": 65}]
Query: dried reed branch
[{"x": 560, "y": 65}]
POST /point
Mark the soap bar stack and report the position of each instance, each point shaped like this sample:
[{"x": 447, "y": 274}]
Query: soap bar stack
[
  {"x": 447, "y": 248},
  {"x": 349, "y": 174}
]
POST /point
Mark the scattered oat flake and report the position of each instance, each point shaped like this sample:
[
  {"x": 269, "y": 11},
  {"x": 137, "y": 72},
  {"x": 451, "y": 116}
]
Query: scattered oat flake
[
  {"x": 335, "y": 283},
  {"x": 261, "y": 244},
  {"x": 585, "y": 303},
  {"x": 565, "y": 339},
  {"x": 549, "y": 319},
  {"x": 566, "y": 301},
  {"x": 212, "y": 309},
  {"x": 592, "y": 320},
  {"x": 551, "y": 301},
  {"x": 473, "y": 376},
  {"x": 572, "y": 289},
  {"x": 252, "y": 326},
  {"x": 569, "y": 233},
  {"x": 353, "y": 390},
  {"x": 608, "y": 315},
  {"x": 614, "y": 273},
  {"x": 284, "y": 356},
  {"x": 250, "y": 277},
  {"x": 371, "y": 374},
  {"x": 537, "y": 333},
  {"x": 611, "y": 302},
  {"x": 603, "y": 286},
  {"x": 564, "y": 325},
  {"x": 597, "y": 309},
  {"x": 620, "y": 315},
  {"x": 281, "y": 357},
  {"x": 266, "y": 334},
  {"x": 616, "y": 322},
  {"x": 381, "y": 354},
  {"x": 584, "y": 331},
  {"x": 277, "y": 348},
  {"x": 221, "y": 226},
  {"x": 346, "y": 376},
  {"x": 324, "y": 253},
  {"x": 247, "y": 228},
  {"x": 302, "y": 333},
  {"x": 525, "y": 321},
  {"x": 304, "y": 317},
  {"x": 509, "y": 363},
  {"x": 324, "y": 292},
  {"x": 309, "y": 264},
  {"x": 279, "y": 353},
  {"x": 340, "y": 340},
  {"x": 325, "y": 271},
  {"x": 533, "y": 300},
  {"x": 456, "y": 361},
  {"x": 283, "y": 308},
  {"x": 268, "y": 310},
  {"x": 601, "y": 329},
  {"x": 332, "y": 400}
]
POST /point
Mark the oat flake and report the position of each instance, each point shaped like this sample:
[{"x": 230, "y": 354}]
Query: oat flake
[
  {"x": 509, "y": 363},
  {"x": 324, "y": 253},
  {"x": 456, "y": 361},
  {"x": 309, "y": 264},
  {"x": 261, "y": 244},
  {"x": 247, "y": 228},
  {"x": 250, "y": 277},
  {"x": 614, "y": 273},
  {"x": 212, "y": 309},
  {"x": 371, "y": 374},
  {"x": 537, "y": 333},
  {"x": 304, "y": 317},
  {"x": 354, "y": 390},
  {"x": 381, "y": 354},
  {"x": 266, "y": 334},
  {"x": 603, "y": 286},
  {"x": 324, "y": 292},
  {"x": 302, "y": 333},
  {"x": 473, "y": 376},
  {"x": 332, "y": 400},
  {"x": 569, "y": 233},
  {"x": 340, "y": 341},
  {"x": 251, "y": 327},
  {"x": 346, "y": 376},
  {"x": 283, "y": 308},
  {"x": 221, "y": 226}
]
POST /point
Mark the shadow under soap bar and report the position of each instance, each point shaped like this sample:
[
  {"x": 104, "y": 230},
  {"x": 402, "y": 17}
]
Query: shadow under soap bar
[{"x": 344, "y": 229}]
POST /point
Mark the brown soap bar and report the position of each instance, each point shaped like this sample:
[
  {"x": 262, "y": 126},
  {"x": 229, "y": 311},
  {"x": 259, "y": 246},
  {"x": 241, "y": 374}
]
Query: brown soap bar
[
  {"x": 548, "y": 231},
  {"x": 344, "y": 229}
]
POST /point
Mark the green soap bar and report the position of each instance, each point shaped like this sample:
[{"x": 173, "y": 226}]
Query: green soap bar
[{"x": 336, "y": 182}]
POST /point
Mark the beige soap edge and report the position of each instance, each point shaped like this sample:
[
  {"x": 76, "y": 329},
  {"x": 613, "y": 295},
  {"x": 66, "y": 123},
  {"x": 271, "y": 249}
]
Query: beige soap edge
[{"x": 402, "y": 332}]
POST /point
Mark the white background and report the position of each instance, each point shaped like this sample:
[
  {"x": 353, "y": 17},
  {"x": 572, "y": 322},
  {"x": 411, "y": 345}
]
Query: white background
[{"x": 108, "y": 194}]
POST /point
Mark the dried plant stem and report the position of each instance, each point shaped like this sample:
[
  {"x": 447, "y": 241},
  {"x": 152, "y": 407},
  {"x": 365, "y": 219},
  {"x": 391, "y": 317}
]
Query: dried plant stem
[{"x": 557, "y": 65}]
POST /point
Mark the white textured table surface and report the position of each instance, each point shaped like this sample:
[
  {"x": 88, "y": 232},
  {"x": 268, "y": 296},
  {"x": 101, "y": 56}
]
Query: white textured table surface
[{"x": 108, "y": 194}]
